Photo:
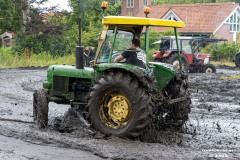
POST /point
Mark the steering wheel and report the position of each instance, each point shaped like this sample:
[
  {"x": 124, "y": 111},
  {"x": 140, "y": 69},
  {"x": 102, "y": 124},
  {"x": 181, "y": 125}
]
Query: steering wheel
[{"x": 118, "y": 54}]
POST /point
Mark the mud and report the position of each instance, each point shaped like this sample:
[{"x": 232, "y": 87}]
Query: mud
[{"x": 212, "y": 131}]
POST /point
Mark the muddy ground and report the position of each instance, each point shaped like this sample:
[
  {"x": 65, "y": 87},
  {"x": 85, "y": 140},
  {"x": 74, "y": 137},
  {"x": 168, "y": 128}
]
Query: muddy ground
[{"x": 212, "y": 132}]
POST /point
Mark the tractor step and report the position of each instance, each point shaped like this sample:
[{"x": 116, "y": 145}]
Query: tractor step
[{"x": 176, "y": 100}]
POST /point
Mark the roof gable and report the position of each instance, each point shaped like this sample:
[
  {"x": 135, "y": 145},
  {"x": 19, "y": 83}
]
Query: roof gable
[
  {"x": 202, "y": 18},
  {"x": 170, "y": 15},
  {"x": 228, "y": 19}
]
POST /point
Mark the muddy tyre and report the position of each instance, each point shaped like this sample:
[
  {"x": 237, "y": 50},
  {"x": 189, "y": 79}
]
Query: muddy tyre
[
  {"x": 209, "y": 68},
  {"x": 174, "y": 116},
  {"x": 119, "y": 106},
  {"x": 40, "y": 108},
  {"x": 237, "y": 60},
  {"x": 173, "y": 59}
]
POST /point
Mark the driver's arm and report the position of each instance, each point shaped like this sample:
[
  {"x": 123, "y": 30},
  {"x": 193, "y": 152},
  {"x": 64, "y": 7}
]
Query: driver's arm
[{"x": 118, "y": 58}]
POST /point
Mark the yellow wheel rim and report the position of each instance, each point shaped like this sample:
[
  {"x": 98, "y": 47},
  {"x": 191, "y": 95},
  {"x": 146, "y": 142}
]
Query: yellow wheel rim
[{"x": 116, "y": 110}]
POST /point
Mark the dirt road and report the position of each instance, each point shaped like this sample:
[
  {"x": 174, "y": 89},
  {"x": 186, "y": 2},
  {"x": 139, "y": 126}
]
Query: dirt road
[{"x": 212, "y": 131}]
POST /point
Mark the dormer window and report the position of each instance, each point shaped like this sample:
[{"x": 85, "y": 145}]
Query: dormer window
[
  {"x": 145, "y": 2},
  {"x": 170, "y": 15},
  {"x": 234, "y": 22},
  {"x": 130, "y": 3}
]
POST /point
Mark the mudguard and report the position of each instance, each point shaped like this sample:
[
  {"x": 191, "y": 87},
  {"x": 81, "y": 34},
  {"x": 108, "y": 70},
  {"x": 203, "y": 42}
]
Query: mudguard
[{"x": 160, "y": 72}]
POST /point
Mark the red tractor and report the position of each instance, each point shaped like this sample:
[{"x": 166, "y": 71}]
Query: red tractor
[{"x": 190, "y": 47}]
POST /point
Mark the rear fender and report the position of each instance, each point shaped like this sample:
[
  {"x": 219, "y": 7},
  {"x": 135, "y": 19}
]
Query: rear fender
[
  {"x": 163, "y": 74},
  {"x": 141, "y": 74},
  {"x": 170, "y": 52},
  {"x": 167, "y": 53},
  {"x": 158, "y": 54},
  {"x": 163, "y": 54}
]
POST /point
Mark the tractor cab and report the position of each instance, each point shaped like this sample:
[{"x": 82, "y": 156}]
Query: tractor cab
[
  {"x": 113, "y": 46},
  {"x": 190, "y": 47},
  {"x": 118, "y": 31}
]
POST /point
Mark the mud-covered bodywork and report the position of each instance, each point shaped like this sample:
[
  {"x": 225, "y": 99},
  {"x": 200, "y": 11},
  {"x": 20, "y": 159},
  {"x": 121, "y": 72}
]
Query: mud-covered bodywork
[
  {"x": 119, "y": 98},
  {"x": 160, "y": 72},
  {"x": 64, "y": 82}
]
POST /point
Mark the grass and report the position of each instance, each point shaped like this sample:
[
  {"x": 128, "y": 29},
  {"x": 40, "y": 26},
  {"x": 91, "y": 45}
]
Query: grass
[
  {"x": 10, "y": 60},
  {"x": 233, "y": 77},
  {"x": 223, "y": 62}
]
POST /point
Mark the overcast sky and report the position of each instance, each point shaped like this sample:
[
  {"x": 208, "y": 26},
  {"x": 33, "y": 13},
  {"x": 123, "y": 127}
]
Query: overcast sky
[{"x": 63, "y": 4}]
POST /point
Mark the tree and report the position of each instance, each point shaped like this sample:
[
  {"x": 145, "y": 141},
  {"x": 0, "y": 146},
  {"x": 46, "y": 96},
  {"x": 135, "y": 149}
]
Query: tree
[
  {"x": 44, "y": 30},
  {"x": 90, "y": 11},
  {"x": 11, "y": 15}
]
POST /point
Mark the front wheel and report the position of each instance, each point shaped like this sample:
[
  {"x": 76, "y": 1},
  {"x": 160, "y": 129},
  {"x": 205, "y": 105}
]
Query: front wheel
[
  {"x": 119, "y": 106},
  {"x": 209, "y": 68},
  {"x": 40, "y": 108},
  {"x": 237, "y": 60}
]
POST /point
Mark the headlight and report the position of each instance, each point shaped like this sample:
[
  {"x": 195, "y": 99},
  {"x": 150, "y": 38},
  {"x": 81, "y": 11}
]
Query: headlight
[{"x": 206, "y": 61}]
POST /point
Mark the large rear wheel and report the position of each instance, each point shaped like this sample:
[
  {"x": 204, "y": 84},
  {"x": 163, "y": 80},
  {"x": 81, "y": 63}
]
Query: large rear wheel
[
  {"x": 173, "y": 59},
  {"x": 119, "y": 106},
  {"x": 40, "y": 108},
  {"x": 174, "y": 116}
]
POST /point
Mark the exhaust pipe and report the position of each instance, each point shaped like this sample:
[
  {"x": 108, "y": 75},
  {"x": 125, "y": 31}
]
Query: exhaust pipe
[{"x": 79, "y": 57}]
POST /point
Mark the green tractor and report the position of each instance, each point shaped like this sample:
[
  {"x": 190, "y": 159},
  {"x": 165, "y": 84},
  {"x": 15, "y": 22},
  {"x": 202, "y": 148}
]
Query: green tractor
[{"x": 118, "y": 98}]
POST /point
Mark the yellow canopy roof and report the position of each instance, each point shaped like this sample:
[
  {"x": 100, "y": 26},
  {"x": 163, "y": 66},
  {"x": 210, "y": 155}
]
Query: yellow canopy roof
[{"x": 140, "y": 21}]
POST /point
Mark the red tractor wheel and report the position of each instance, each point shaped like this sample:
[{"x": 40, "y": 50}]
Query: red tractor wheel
[
  {"x": 209, "y": 68},
  {"x": 173, "y": 59}
]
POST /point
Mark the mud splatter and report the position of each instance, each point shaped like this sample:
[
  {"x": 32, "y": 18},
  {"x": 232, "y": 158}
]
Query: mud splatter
[{"x": 212, "y": 131}]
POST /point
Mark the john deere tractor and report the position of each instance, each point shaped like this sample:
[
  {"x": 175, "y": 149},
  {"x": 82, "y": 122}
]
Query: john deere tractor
[{"x": 118, "y": 98}]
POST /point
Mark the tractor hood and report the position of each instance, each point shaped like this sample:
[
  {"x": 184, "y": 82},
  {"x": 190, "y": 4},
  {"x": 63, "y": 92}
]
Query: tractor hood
[
  {"x": 70, "y": 71},
  {"x": 66, "y": 71}
]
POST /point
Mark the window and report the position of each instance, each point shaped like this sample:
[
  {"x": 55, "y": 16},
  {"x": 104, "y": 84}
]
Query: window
[
  {"x": 145, "y": 2},
  {"x": 122, "y": 43},
  {"x": 186, "y": 46},
  {"x": 234, "y": 22},
  {"x": 164, "y": 45},
  {"x": 130, "y": 3},
  {"x": 170, "y": 15}
]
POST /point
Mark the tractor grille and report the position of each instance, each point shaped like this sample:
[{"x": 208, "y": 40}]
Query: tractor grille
[{"x": 60, "y": 84}]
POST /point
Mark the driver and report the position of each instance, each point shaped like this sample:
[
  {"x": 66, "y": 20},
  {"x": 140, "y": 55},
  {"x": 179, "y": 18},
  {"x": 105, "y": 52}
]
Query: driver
[{"x": 134, "y": 55}]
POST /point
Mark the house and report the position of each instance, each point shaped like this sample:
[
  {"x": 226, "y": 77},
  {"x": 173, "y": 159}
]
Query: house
[
  {"x": 220, "y": 20},
  {"x": 7, "y": 39}
]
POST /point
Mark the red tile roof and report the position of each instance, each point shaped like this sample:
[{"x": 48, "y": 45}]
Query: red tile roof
[{"x": 201, "y": 18}]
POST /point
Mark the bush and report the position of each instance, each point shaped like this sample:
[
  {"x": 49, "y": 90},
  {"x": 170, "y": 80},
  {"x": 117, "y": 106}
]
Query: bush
[{"x": 224, "y": 51}]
